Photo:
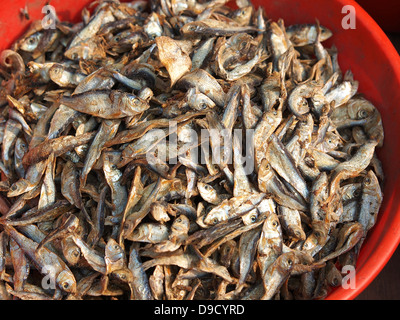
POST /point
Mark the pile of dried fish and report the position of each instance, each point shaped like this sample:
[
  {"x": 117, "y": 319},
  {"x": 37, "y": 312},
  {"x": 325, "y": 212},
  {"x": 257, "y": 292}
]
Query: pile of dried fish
[{"x": 182, "y": 150}]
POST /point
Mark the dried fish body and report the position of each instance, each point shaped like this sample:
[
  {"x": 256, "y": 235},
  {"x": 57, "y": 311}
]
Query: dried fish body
[
  {"x": 304, "y": 34},
  {"x": 106, "y": 104}
]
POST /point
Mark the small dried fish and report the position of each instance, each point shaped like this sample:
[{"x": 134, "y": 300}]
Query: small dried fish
[{"x": 182, "y": 150}]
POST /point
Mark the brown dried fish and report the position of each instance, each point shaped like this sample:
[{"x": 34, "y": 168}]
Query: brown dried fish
[{"x": 182, "y": 150}]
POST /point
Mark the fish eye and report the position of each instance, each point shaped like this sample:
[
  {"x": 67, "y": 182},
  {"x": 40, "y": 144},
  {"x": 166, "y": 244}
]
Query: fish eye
[
  {"x": 179, "y": 220},
  {"x": 116, "y": 247},
  {"x": 297, "y": 233},
  {"x": 362, "y": 114},
  {"x": 192, "y": 28},
  {"x": 33, "y": 40},
  {"x": 367, "y": 181},
  {"x": 274, "y": 223},
  {"x": 65, "y": 285},
  {"x": 126, "y": 226},
  {"x": 253, "y": 218},
  {"x": 289, "y": 262},
  {"x": 76, "y": 253},
  {"x": 136, "y": 102},
  {"x": 203, "y": 105},
  {"x": 335, "y": 282},
  {"x": 317, "y": 234},
  {"x": 215, "y": 220}
]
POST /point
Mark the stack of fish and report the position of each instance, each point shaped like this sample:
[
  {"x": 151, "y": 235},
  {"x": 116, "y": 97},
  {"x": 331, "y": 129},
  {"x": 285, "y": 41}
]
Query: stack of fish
[{"x": 178, "y": 149}]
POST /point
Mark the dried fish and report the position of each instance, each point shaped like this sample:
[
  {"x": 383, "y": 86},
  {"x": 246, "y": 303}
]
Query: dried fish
[{"x": 182, "y": 150}]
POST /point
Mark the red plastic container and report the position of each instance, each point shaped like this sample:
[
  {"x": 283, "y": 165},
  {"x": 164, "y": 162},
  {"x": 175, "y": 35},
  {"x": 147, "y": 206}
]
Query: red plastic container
[{"x": 365, "y": 50}]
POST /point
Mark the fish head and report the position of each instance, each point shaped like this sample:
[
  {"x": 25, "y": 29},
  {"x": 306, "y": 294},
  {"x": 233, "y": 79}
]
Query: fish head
[
  {"x": 243, "y": 15},
  {"x": 146, "y": 94},
  {"x": 250, "y": 217},
  {"x": 317, "y": 237},
  {"x": 75, "y": 53},
  {"x": 216, "y": 215},
  {"x": 113, "y": 251},
  {"x": 56, "y": 72},
  {"x": 66, "y": 281},
  {"x": 272, "y": 227},
  {"x": 128, "y": 228},
  {"x": 30, "y": 43},
  {"x": 110, "y": 168},
  {"x": 371, "y": 180},
  {"x": 124, "y": 275},
  {"x": 88, "y": 49},
  {"x": 286, "y": 261},
  {"x": 72, "y": 255},
  {"x": 19, "y": 187},
  {"x": 325, "y": 33},
  {"x": 298, "y": 233},
  {"x": 181, "y": 225},
  {"x": 71, "y": 251},
  {"x": 21, "y": 146},
  {"x": 191, "y": 28},
  {"x": 227, "y": 251},
  {"x": 199, "y": 101},
  {"x": 359, "y": 108},
  {"x": 153, "y": 26},
  {"x": 265, "y": 174},
  {"x": 207, "y": 192},
  {"x": 332, "y": 141},
  {"x": 119, "y": 36},
  {"x": 310, "y": 243},
  {"x": 140, "y": 233},
  {"x": 133, "y": 103}
]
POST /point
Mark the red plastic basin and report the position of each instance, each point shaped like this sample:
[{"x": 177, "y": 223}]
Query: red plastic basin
[{"x": 365, "y": 50}]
